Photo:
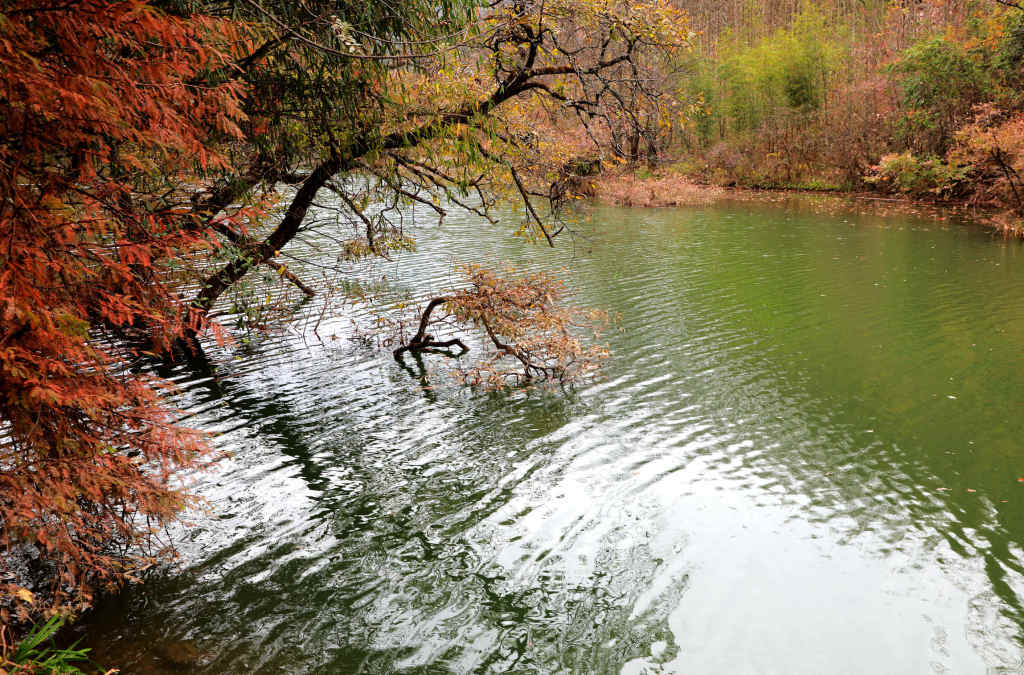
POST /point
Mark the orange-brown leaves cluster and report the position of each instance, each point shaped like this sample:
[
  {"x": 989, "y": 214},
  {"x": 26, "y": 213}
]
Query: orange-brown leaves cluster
[
  {"x": 106, "y": 109},
  {"x": 993, "y": 147},
  {"x": 534, "y": 331}
]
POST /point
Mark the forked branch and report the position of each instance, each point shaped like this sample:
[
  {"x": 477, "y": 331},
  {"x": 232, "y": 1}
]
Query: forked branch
[{"x": 424, "y": 340}]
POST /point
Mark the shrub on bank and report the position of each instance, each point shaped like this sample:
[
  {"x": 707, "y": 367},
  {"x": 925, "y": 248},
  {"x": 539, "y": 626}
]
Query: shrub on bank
[
  {"x": 993, "y": 146},
  {"x": 984, "y": 168},
  {"x": 918, "y": 176}
]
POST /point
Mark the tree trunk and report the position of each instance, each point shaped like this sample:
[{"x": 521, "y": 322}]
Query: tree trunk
[{"x": 268, "y": 248}]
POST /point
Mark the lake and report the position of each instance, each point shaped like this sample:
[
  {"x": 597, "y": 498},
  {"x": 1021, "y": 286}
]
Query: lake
[{"x": 805, "y": 455}]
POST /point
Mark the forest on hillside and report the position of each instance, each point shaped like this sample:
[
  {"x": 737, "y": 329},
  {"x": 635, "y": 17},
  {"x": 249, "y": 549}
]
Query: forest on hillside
[{"x": 916, "y": 98}]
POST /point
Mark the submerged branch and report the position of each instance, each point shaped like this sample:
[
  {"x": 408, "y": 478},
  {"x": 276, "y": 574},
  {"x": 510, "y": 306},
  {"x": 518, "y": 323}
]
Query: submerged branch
[{"x": 424, "y": 340}]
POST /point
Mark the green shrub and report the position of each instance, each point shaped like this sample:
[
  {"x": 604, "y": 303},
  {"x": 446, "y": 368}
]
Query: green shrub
[
  {"x": 1011, "y": 51},
  {"x": 1009, "y": 60},
  {"x": 941, "y": 82},
  {"x": 700, "y": 85},
  {"x": 918, "y": 176}
]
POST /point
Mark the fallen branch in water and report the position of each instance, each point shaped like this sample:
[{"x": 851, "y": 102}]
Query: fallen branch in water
[
  {"x": 424, "y": 340},
  {"x": 535, "y": 334}
]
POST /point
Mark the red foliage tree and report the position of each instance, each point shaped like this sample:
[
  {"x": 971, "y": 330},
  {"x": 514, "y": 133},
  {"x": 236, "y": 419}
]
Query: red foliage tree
[{"x": 107, "y": 109}]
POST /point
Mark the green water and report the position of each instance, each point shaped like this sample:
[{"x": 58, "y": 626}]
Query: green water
[{"x": 803, "y": 458}]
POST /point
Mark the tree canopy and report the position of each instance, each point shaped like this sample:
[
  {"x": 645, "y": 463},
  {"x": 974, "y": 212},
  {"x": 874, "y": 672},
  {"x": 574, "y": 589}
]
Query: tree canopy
[
  {"x": 104, "y": 112},
  {"x": 141, "y": 143}
]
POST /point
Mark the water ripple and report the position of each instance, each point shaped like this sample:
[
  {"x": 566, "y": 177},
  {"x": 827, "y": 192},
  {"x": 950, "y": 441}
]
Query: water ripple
[{"x": 802, "y": 458}]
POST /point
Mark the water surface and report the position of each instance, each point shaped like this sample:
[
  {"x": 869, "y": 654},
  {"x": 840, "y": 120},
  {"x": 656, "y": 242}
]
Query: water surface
[{"x": 805, "y": 456}]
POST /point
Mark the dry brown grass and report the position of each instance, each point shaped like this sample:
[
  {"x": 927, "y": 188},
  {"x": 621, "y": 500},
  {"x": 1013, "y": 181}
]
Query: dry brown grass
[
  {"x": 672, "y": 189},
  {"x": 629, "y": 190}
]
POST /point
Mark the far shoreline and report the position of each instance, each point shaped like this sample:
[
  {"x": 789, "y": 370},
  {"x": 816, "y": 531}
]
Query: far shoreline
[{"x": 668, "y": 189}]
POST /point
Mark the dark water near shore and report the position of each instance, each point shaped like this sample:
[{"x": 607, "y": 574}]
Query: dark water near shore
[{"x": 803, "y": 457}]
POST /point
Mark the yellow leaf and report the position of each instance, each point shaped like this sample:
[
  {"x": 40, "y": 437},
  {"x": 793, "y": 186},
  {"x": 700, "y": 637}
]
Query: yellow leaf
[{"x": 25, "y": 595}]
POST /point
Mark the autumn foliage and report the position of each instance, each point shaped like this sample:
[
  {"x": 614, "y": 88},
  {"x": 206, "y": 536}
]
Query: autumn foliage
[
  {"x": 106, "y": 109},
  {"x": 534, "y": 333},
  {"x": 117, "y": 119},
  {"x": 991, "y": 149},
  {"x": 529, "y": 329},
  {"x": 841, "y": 95}
]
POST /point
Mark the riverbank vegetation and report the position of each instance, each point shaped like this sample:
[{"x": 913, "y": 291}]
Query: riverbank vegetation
[{"x": 922, "y": 99}]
